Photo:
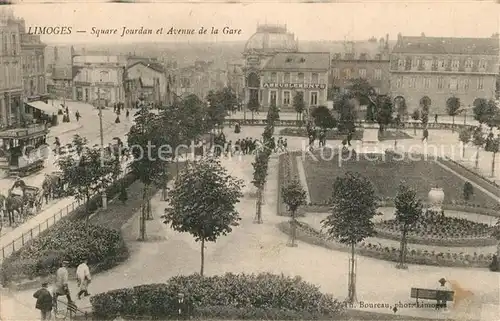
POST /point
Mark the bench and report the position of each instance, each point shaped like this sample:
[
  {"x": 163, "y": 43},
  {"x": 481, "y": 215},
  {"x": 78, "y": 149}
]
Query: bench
[{"x": 431, "y": 294}]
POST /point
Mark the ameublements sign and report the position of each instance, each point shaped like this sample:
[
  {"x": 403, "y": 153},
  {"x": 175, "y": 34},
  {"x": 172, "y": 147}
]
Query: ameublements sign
[{"x": 294, "y": 86}]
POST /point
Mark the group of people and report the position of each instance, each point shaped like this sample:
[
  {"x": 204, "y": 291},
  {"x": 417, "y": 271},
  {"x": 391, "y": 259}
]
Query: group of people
[{"x": 46, "y": 300}]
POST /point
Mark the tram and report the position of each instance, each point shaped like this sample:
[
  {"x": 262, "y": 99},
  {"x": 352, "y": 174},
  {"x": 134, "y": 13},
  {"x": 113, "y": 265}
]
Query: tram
[{"x": 23, "y": 150}]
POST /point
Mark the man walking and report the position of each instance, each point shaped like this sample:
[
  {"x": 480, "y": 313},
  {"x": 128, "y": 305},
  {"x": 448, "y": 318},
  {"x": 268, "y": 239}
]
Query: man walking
[
  {"x": 62, "y": 287},
  {"x": 425, "y": 135},
  {"x": 43, "y": 301},
  {"x": 83, "y": 278}
]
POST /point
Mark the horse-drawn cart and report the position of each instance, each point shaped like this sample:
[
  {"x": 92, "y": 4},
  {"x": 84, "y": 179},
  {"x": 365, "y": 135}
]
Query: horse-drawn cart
[{"x": 34, "y": 199}]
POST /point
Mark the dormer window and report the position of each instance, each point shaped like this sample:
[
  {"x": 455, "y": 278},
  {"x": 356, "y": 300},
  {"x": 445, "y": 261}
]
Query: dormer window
[
  {"x": 469, "y": 63},
  {"x": 302, "y": 60},
  {"x": 482, "y": 64},
  {"x": 455, "y": 64},
  {"x": 401, "y": 63},
  {"x": 288, "y": 59}
]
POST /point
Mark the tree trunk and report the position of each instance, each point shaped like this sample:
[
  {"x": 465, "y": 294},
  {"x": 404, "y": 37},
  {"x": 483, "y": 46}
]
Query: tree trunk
[
  {"x": 415, "y": 129},
  {"x": 293, "y": 229},
  {"x": 402, "y": 250},
  {"x": 493, "y": 165},
  {"x": 202, "y": 256},
  {"x": 352, "y": 278},
  {"x": 149, "y": 215},
  {"x": 453, "y": 122},
  {"x": 477, "y": 159},
  {"x": 498, "y": 256},
  {"x": 142, "y": 224},
  {"x": 258, "y": 213},
  {"x": 463, "y": 150}
]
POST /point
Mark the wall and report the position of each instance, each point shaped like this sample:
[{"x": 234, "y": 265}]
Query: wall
[
  {"x": 148, "y": 75},
  {"x": 380, "y": 83}
]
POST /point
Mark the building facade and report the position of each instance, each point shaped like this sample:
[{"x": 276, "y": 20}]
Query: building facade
[
  {"x": 153, "y": 78},
  {"x": 99, "y": 79},
  {"x": 366, "y": 60},
  {"x": 433, "y": 69},
  {"x": 11, "y": 79},
  {"x": 198, "y": 79},
  {"x": 275, "y": 71}
]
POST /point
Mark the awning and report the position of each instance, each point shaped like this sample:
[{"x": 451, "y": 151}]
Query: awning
[{"x": 40, "y": 105}]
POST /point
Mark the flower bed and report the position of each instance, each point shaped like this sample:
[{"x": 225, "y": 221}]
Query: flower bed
[
  {"x": 436, "y": 229},
  {"x": 287, "y": 170},
  {"x": 257, "y": 297},
  {"x": 312, "y": 236},
  {"x": 331, "y": 134},
  {"x": 67, "y": 240}
]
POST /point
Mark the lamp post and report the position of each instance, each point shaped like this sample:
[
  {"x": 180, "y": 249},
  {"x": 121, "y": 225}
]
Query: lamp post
[{"x": 103, "y": 192}]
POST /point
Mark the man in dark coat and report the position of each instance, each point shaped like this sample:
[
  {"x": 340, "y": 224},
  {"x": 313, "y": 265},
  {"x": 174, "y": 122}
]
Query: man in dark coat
[{"x": 43, "y": 301}]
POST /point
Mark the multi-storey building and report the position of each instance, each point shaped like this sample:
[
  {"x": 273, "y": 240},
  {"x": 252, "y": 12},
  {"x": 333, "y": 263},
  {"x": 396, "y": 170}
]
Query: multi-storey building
[
  {"x": 362, "y": 59},
  {"x": 198, "y": 79},
  {"x": 153, "y": 80},
  {"x": 99, "y": 79},
  {"x": 11, "y": 80},
  {"x": 433, "y": 69},
  {"x": 275, "y": 70},
  {"x": 236, "y": 78},
  {"x": 59, "y": 64}
]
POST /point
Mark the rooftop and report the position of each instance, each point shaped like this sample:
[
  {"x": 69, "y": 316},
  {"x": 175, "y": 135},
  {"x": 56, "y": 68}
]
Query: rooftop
[
  {"x": 446, "y": 45},
  {"x": 152, "y": 65},
  {"x": 299, "y": 61}
]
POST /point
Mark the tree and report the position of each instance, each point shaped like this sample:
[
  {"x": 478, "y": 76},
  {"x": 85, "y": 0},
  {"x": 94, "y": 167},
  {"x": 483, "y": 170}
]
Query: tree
[
  {"x": 425, "y": 104},
  {"x": 88, "y": 174},
  {"x": 215, "y": 111},
  {"x": 260, "y": 166},
  {"x": 192, "y": 117},
  {"x": 203, "y": 203},
  {"x": 146, "y": 139},
  {"x": 272, "y": 114},
  {"x": 483, "y": 110},
  {"x": 384, "y": 109},
  {"x": 408, "y": 212},
  {"x": 323, "y": 118},
  {"x": 227, "y": 98},
  {"x": 80, "y": 143},
  {"x": 478, "y": 140},
  {"x": 492, "y": 145},
  {"x": 347, "y": 113},
  {"x": 362, "y": 90},
  {"x": 354, "y": 205},
  {"x": 453, "y": 107},
  {"x": 294, "y": 196},
  {"x": 464, "y": 136},
  {"x": 253, "y": 105},
  {"x": 298, "y": 104},
  {"x": 496, "y": 235},
  {"x": 415, "y": 116}
]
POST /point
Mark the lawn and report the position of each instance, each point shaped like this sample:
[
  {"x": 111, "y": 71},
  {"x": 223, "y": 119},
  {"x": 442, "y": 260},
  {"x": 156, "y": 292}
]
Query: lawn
[{"x": 386, "y": 175}]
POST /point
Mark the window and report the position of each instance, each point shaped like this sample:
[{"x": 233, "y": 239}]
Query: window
[
  {"x": 469, "y": 63},
  {"x": 378, "y": 74},
  {"x": 301, "y": 77},
  {"x": 427, "y": 83},
  {"x": 336, "y": 73},
  {"x": 441, "y": 64},
  {"x": 347, "y": 73},
  {"x": 362, "y": 73},
  {"x": 314, "y": 98},
  {"x": 286, "y": 98},
  {"x": 14, "y": 47},
  {"x": 428, "y": 64},
  {"x": 482, "y": 64},
  {"x": 480, "y": 83},
  {"x": 455, "y": 64},
  {"x": 363, "y": 56},
  {"x": 401, "y": 63},
  {"x": 272, "y": 97},
  {"x": 413, "y": 82},
  {"x": 399, "y": 82},
  {"x": 415, "y": 62},
  {"x": 273, "y": 77},
  {"x": 453, "y": 85},
  {"x": 466, "y": 84},
  {"x": 286, "y": 77},
  {"x": 315, "y": 78},
  {"x": 440, "y": 83}
]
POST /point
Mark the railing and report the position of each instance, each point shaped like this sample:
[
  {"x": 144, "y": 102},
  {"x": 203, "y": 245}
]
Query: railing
[{"x": 34, "y": 232}]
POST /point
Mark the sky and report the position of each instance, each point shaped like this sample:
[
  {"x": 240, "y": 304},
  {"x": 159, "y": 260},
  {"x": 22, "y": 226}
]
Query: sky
[{"x": 309, "y": 21}]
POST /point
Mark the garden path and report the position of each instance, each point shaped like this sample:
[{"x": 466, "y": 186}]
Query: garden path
[{"x": 254, "y": 248}]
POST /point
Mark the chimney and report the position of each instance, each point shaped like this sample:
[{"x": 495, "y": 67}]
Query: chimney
[
  {"x": 387, "y": 41},
  {"x": 422, "y": 34},
  {"x": 400, "y": 37}
]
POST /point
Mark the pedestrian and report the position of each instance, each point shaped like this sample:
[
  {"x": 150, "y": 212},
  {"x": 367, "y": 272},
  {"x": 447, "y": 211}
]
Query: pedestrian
[
  {"x": 425, "y": 135},
  {"x": 77, "y": 115},
  {"x": 62, "y": 287},
  {"x": 44, "y": 301},
  {"x": 285, "y": 144},
  {"x": 436, "y": 118},
  {"x": 83, "y": 278},
  {"x": 349, "y": 138},
  {"x": 127, "y": 114}
]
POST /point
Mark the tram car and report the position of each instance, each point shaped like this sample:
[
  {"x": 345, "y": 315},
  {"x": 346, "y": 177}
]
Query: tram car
[{"x": 23, "y": 151}]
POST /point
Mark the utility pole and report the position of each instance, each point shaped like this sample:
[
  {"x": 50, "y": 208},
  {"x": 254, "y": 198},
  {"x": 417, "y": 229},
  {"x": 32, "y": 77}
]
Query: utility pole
[{"x": 103, "y": 195}]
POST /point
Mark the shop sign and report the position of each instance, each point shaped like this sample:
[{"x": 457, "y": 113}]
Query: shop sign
[{"x": 293, "y": 86}]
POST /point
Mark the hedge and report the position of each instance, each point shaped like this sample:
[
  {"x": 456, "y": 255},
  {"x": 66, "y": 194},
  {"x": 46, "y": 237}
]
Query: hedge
[
  {"x": 231, "y": 296},
  {"x": 331, "y": 134},
  {"x": 67, "y": 240}
]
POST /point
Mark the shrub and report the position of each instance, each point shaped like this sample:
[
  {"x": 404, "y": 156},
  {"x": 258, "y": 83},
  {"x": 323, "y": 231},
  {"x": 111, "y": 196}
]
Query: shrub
[
  {"x": 67, "y": 240},
  {"x": 468, "y": 191},
  {"x": 230, "y": 296}
]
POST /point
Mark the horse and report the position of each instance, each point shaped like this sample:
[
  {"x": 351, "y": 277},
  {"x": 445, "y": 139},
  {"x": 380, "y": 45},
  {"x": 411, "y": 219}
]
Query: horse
[
  {"x": 3, "y": 204},
  {"x": 15, "y": 203},
  {"x": 51, "y": 187}
]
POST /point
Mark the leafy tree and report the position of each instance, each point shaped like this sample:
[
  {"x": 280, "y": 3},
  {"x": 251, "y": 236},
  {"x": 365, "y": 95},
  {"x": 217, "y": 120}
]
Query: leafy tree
[
  {"x": 478, "y": 140},
  {"x": 215, "y": 111},
  {"x": 298, "y": 104},
  {"x": 453, "y": 107},
  {"x": 253, "y": 105},
  {"x": 260, "y": 166},
  {"x": 354, "y": 205},
  {"x": 415, "y": 116},
  {"x": 227, "y": 98},
  {"x": 468, "y": 191},
  {"x": 496, "y": 234},
  {"x": 192, "y": 117},
  {"x": 146, "y": 138},
  {"x": 273, "y": 113},
  {"x": 408, "y": 211},
  {"x": 362, "y": 90},
  {"x": 384, "y": 108},
  {"x": 323, "y": 117},
  {"x": 464, "y": 136},
  {"x": 294, "y": 196},
  {"x": 203, "y": 203},
  {"x": 88, "y": 174},
  {"x": 483, "y": 110},
  {"x": 80, "y": 143},
  {"x": 347, "y": 113},
  {"x": 425, "y": 104},
  {"x": 492, "y": 145}
]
